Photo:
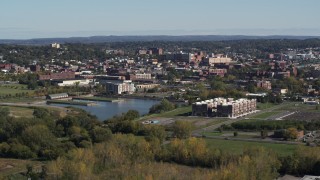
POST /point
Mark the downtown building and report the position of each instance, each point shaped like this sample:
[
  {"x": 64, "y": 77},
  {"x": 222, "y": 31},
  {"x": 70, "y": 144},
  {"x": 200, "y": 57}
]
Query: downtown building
[
  {"x": 120, "y": 87},
  {"x": 221, "y": 107}
]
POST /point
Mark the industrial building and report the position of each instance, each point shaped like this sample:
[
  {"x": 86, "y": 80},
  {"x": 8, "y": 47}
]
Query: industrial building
[
  {"x": 221, "y": 107},
  {"x": 57, "y": 96}
]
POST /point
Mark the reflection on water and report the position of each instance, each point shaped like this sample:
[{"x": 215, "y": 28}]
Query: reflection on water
[{"x": 106, "y": 110}]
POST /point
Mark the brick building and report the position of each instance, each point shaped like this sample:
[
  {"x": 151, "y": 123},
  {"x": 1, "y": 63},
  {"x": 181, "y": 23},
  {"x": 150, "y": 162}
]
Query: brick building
[
  {"x": 264, "y": 84},
  {"x": 55, "y": 76}
]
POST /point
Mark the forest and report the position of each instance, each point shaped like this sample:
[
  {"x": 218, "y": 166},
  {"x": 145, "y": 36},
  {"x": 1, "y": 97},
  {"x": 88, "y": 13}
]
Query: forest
[{"x": 78, "y": 146}]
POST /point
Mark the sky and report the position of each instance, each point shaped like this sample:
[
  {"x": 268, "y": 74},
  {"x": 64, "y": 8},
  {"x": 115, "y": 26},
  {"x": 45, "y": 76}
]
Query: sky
[{"x": 25, "y": 19}]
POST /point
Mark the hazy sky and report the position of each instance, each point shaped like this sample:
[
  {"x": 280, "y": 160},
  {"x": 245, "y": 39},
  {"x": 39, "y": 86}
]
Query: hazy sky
[{"x": 66, "y": 18}]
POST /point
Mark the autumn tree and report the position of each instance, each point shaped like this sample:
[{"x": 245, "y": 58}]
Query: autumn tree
[{"x": 182, "y": 129}]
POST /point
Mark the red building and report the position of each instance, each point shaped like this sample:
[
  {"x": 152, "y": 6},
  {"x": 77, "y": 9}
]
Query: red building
[
  {"x": 264, "y": 84},
  {"x": 55, "y": 76}
]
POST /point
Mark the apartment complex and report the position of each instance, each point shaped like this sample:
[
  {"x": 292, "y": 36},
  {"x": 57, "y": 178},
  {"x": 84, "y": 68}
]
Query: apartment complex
[{"x": 221, "y": 107}]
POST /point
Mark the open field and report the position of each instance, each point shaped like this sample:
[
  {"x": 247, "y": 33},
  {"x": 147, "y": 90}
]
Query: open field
[
  {"x": 27, "y": 111},
  {"x": 237, "y": 147},
  {"x": 20, "y": 100},
  {"x": 265, "y": 115},
  {"x": 263, "y": 106},
  {"x": 182, "y": 111},
  {"x": 15, "y": 166},
  {"x": 298, "y": 106},
  {"x": 20, "y": 111},
  {"x": 13, "y": 89}
]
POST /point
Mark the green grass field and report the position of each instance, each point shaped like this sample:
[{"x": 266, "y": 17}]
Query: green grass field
[
  {"x": 212, "y": 133},
  {"x": 237, "y": 147},
  {"x": 13, "y": 89},
  {"x": 263, "y": 106},
  {"x": 173, "y": 113},
  {"x": 266, "y": 114}
]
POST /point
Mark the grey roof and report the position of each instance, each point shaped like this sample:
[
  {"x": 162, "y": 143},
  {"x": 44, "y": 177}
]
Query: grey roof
[{"x": 58, "y": 95}]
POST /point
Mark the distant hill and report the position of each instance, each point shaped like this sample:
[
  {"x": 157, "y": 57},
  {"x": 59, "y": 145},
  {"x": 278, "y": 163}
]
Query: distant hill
[{"x": 103, "y": 39}]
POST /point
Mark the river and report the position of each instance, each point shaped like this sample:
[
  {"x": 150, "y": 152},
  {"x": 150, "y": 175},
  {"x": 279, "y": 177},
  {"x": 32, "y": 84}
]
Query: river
[{"x": 106, "y": 110}]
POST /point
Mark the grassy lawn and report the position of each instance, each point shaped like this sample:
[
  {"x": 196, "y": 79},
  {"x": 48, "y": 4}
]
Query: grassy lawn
[
  {"x": 298, "y": 106},
  {"x": 13, "y": 89},
  {"x": 237, "y": 147},
  {"x": 176, "y": 112},
  {"x": 263, "y": 106},
  {"x": 14, "y": 166},
  {"x": 21, "y": 100},
  {"x": 201, "y": 123},
  {"x": 266, "y": 114},
  {"x": 212, "y": 133}
]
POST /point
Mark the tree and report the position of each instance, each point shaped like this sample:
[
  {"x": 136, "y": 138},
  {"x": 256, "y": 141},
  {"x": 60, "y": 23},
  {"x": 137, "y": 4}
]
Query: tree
[
  {"x": 264, "y": 134},
  {"x": 4, "y": 111},
  {"x": 155, "y": 131},
  {"x": 32, "y": 85},
  {"x": 131, "y": 115},
  {"x": 40, "y": 113},
  {"x": 182, "y": 129},
  {"x": 291, "y": 133},
  {"x": 39, "y": 138},
  {"x": 100, "y": 134},
  {"x": 164, "y": 106}
]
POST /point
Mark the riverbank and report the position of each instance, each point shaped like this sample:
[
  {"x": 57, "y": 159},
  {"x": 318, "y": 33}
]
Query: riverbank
[
  {"x": 94, "y": 98},
  {"x": 70, "y": 103}
]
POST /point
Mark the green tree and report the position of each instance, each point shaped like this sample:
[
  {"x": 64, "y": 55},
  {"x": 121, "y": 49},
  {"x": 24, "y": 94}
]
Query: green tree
[
  {"x": 182, "y": 129},
  {"x": 100, "y": 134},
  {"x": 155, "y": 131},
  {"x": 39, "y": 138},
  {"x": 4, "y": 111},
  {"x": 291, "y": 133}
]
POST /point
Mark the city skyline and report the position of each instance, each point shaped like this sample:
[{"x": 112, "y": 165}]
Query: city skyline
[{"x": 38, "y": 19}]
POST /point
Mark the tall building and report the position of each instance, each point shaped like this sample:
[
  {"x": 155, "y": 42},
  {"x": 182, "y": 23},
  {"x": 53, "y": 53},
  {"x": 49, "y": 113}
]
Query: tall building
[
  {"x": 156, "y": 51},
  {"x": 120, "y": 87},
  {"x": 55, "y": 45}
]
